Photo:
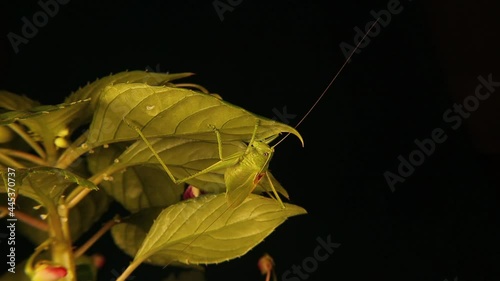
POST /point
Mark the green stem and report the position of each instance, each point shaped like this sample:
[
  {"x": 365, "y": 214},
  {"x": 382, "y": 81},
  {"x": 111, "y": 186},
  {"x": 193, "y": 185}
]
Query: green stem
[
  {"x": 74, "y": 151},
  {"x": 27, "y": 138},
  {"x": 61, "y": 248},
  {"x": 80, "y": 192},
  {"x": 51, "y": 151},
  {"x": 131, "y": 267}
]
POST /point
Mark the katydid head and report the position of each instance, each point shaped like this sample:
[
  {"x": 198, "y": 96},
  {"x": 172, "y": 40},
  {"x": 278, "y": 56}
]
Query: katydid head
[{"x": 260, "y": 154}]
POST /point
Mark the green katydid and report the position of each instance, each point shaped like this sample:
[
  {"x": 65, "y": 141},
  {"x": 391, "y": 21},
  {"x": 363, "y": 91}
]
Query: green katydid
[{"x": 244, "y": 170}]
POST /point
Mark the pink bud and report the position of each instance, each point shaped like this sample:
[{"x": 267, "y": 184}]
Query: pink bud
[
  {"x": 265, "y": 264},
  {"x": 191, "y": 192},
  {"x": 48, "y": 272},
  {"x": 98, "y": 260}
]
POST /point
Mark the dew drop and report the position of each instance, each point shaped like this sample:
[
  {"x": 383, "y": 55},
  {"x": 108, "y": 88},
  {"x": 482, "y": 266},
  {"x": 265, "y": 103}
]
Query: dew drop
[
  {"x": 84, "y": 146},
  {"x": 149, "y": 107},
  {"x": 105, "y": 145},
  {"x": 43, "y": 216},
  {"x": 116, "y": 161},
  {"x": 91, "y": 151}
]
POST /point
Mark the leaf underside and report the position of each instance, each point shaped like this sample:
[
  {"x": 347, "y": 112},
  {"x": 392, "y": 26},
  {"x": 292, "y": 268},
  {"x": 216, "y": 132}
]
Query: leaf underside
[{"x": 204, "y": 230}]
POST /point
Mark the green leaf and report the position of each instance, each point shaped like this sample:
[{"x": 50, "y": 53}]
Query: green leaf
[
  {"x": 47, "y": 122},
  {"x": 32, "y": 112},
  {"x": 43, "y": 184},
  {"x": 168, "y": 111},
  {"x": 87, "y": 212},
  {"x": 185, "y": 157},
  {"x": 93, "y": 90},
  {"x": 136, "y": 187},
  {"x": 205, "y": 230},
  {"x": 130, "y": 233},
  {"x": 12, "y": 101}
]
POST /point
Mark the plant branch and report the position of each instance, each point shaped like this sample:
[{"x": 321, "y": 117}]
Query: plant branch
[
  {"x": 74, "y": 151},
  {"x": 80, "y": 192},
  {"x": 107, "y": 226},
  {"x": 131, "y": 267},
  {"x": 61, "y": 248},
  {"x": 29, "y": 220},
  {"x": 24, "y": 155},
  {"x": 9, "y": 161},
  {"x": 27, "y": 138}
]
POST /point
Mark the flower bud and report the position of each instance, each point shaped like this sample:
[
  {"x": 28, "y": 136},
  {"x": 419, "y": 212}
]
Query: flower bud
[
  {"x": 48, "y": 272},
  {"x": 265, "y": 264}
]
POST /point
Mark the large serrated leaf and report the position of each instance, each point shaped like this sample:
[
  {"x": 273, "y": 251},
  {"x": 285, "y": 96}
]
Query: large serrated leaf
[
  {"x": 94, "y": 89},
  {"x": 130, "y": 233},
  {"x": 174, "y": 112},
  {"x": 204, "y": 230},
  {"x": 135, "y": 187},
  {"x": 49, "y": 125}
]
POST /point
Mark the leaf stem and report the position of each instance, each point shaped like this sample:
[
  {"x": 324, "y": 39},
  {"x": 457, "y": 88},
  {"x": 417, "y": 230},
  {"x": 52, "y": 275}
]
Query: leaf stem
[
  {"x": 131, "y": 267},
  {"x": 24, "y": 155},
  {"x": 32, "y": 221},
  {"x": 74, "y": 151},
  {"x": 107, "y": 226},
  {"x": 80, "y": 192},
  {"x": 10, "y": 161},
  {"x": 27, "y": 138}
]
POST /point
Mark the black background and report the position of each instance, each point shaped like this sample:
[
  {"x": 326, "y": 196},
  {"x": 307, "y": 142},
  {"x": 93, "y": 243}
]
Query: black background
[{"x": 440, "y": 223}]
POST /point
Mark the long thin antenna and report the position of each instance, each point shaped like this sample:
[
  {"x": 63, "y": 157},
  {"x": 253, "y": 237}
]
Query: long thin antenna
[
  {"x": 331, "y": 82},
  {"x": 303, "y": 118}
]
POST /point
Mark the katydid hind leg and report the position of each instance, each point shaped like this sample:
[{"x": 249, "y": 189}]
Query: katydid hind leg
[
  {"x": 268, "y": 178},
  {"x": 229, "y": 161}
]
